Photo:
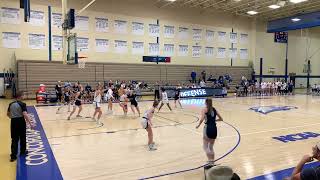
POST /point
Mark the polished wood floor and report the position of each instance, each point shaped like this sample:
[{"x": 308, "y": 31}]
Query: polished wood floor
[{"x": 117, "y": 150}]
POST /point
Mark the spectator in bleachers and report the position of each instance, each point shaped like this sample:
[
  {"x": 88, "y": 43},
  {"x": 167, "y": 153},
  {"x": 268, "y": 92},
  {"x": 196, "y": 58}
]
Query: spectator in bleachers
[
  {"x": 202, "y": 84},
  {"x": 193, "y": 76},
  {"x": 312, "y": 173},
  {"x": 203, "y": 75},
  {"x": 58, "y": 89},
  {"x": 211, "y": 78}
]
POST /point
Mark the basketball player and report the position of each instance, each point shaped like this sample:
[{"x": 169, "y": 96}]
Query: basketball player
[
  {"x": 123, "y": 101},
  {"x": 177, "y": 97},
  {"x": 147, "y": 125},
  {"x": 133, "y": 101},
  {"x": 66, "y": 98},
  {"x": 109, "y": 98},
  {"x": 97, "y": 104},
  {"x": 77, "y": 103},
  {"x": 164, "y": 99},
  {"x": 209, "y": 114}
]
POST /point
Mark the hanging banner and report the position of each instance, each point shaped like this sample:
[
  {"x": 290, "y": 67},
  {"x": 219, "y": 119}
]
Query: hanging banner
[
  {"x": 120, "y": 26},
  {"x": 197, "y": 34},
  {"x": 37, "y": 41},
  {"x": 209, "y": 51},
  {"x": 233, "y": 38},
  {"x": 233, "y": 52},
  {"x": 11, "y": 40},
  {"x": 196, "y": 51},
  {"x": 56, "y": 20},
  {"x": 120, "y": 46},
  {"x": 243, "y": 54},
  {"x": 137, "y": 47},
  {"x": 82, "y": 44},
  {"x": 154, "y": 30},
  {"x": 153, "y": 49},
  {"x": 221, "y": 53},
  {"x": 222, "y": 37},
  {"x": 9, "y": 16},
  {"x": 56, "y": 43},
  {"x": 82, "y": 23},
  {"x": 244, "y": 38},
  {"x": 102, "y": 24},
  {"x": 183, "y": 50},
  {"x": 137, "y": 28},
  {"x": 183, "y": 33},
  {"x": 102, "y": 45},
  {"x": 168, "y": 31},
  {"x": 209, "y": 36},
  {"x": 37, "y": 18},
  {"x": 168, "y": 49}
]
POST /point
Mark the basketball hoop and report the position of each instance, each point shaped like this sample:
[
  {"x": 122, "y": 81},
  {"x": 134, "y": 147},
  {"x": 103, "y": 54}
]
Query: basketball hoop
[{"x": 82, "y": 62}]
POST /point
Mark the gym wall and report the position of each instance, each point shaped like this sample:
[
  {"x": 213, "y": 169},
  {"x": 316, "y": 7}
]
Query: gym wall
[{"x": 132, "y": 12}]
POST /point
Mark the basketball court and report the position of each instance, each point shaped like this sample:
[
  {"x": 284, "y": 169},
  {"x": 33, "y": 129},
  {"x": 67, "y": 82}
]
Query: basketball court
[
  {"x": 258, "y": 60},
  {"x": 117, "y": 149}
]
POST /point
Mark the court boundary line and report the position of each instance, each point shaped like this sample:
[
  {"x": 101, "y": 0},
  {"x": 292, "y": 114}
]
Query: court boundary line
[{"x": 192, "y": 169}]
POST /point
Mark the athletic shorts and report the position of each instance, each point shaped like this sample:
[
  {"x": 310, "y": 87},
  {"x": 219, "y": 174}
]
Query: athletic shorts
[
  {"x": 97, "y": 104},
  {"x": 210, "y": 132},
  {"x": 165, "y": 101},
  {"x": 78, "y": 103},
  {"x": 134, "y": 103},
  {"x": 144, "y": 123},
  {"x": 66, "y": 99},
  {"x": 125, "y": 105},
  {"x": 176, "y": 97},
  {"x": 107, "y": 97}
]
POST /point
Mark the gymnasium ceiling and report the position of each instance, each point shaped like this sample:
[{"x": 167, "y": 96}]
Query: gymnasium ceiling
[{"x": 241, "y": 7}]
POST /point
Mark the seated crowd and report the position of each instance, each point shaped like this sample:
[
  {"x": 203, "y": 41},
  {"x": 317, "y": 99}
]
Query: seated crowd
[{"x": 250, "y": 88}]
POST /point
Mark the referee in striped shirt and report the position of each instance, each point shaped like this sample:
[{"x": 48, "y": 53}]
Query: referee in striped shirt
[{"x": 17, "y": 112}]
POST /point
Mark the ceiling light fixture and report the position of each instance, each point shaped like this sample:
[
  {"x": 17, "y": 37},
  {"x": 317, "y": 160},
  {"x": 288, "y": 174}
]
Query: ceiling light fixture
[
  {"x": 295, "y": 19},
  {"x": 297, "y": 1},
  {"x": 274, "y": 6},
  {"x": 252, "y": 12}
]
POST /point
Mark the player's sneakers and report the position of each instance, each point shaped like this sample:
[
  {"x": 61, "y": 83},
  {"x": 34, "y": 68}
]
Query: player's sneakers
[
  {"x": 68, "y": 118},
  {"x": 78, "y": 116},
  {"x": 152, "y": 147},
  {"x": 98, "y": 122}
]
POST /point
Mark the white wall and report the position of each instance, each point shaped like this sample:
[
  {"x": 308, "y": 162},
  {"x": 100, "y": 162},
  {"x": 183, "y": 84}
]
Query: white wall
[{"x": 131, "y": 11}]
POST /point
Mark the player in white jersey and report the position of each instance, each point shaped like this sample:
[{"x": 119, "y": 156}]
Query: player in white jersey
[
  {"x": 164, "y": 99},
  {"x": 97, "y": 104},
  {"x": 257, "y": 88},
  {"x": 109, "y": 98},
  {"x": 123, "y": 101},
  {"x": 147, "y": 125}
]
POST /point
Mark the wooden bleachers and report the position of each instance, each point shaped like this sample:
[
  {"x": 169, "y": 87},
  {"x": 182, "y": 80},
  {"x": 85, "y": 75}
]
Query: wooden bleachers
[{"x": 32, "y": 73}]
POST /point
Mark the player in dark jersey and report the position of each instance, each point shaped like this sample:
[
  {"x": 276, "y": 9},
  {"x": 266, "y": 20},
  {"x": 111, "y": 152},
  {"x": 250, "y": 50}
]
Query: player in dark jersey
[
  {"x": 177, "y": 97},
  {"x": 209, "y": 114},
  {"x": 133, "y": 101},
  {"x": 66, "y": 98},
  {"x": 77, "y": 103}
]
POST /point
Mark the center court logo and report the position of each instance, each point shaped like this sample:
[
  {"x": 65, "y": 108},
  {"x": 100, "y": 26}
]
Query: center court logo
[
  {"x": 269, "y": 109},
  {"x": 35, "y": 146}
]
